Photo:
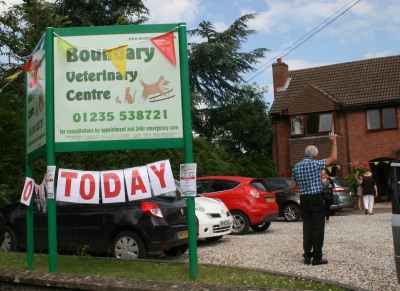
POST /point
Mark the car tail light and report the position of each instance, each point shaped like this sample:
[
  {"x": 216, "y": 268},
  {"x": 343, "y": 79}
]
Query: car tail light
[
  {"x": 254, "y": 193},
  {"x": 338, "y": 189},
  {"x": 152, "y": 209}
]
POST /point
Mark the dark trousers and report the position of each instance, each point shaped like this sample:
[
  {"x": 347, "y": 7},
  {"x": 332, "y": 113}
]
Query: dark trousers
[
  {"x": 328, "y": 208},
  {"x": 313, "y": 213}
]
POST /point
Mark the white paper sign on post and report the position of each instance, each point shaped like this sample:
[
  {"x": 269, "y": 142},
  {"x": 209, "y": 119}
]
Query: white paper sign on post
[
  {"x": 137, "y": 183},
  {"x": 50, "y": 174},
  {"x": 188, "y": 179},
  {"x": 28, "y": 191},
  {"x": 161, "y": 177}
]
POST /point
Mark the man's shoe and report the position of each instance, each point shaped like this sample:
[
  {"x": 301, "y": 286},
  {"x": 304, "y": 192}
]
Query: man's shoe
[
  {"x": 319, "y": 262},
  {"x": 307, "y": 261},
  {"x": 366, "y": 211}
]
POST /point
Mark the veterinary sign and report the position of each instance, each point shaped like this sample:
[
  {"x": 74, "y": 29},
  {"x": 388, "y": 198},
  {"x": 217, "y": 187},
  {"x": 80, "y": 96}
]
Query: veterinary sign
[{"x": 119, "y": 86}]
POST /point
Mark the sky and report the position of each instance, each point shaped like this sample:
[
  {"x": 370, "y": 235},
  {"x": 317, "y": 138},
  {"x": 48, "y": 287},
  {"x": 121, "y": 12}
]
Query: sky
[{"x": 369, "y": 29}]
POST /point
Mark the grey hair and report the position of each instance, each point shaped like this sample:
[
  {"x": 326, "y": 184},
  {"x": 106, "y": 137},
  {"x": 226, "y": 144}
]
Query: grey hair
[{"x": 311, "y": 151}]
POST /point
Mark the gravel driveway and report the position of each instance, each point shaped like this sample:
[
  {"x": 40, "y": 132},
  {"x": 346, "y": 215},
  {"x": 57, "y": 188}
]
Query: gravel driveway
[{"x": 359, "y": 249}]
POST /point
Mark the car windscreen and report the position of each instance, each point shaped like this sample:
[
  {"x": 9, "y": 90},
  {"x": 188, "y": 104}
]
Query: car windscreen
[
  {"x": 277, "y": 184},
  {"x": 340, "y": 182},
  {"x": 258, "y": 185},
  {"x": 223, "y": 185}
]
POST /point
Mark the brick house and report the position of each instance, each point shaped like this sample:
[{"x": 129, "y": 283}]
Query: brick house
[{"x": 359, "y": 100}]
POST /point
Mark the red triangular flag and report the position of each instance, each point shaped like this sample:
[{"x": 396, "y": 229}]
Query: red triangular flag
[
  {"x": 27, "y": 67},
  {"x": 165, "y": 43}
]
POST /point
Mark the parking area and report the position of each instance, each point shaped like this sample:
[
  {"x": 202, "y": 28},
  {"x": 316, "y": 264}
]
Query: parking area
[{"x": 359, "y": 248}]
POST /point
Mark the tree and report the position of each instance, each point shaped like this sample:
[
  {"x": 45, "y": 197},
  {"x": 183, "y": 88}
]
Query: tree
[
  {"x": 217, "y": 65},
  {"x": 226, "y": 110},
  {"x": 100, "y": 13},
  {"x": 21, "y": 28}
]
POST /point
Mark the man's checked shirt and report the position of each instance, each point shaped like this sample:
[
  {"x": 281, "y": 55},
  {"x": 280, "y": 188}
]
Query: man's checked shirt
[{"x": 307, "y": 174}]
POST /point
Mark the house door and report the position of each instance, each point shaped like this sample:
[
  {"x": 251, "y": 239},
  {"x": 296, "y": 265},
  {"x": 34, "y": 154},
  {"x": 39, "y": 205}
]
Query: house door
[{"x": 381, "y": 173}]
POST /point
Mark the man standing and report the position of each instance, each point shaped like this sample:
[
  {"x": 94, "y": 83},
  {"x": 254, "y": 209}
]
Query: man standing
[{"x": 307, "y": 178}]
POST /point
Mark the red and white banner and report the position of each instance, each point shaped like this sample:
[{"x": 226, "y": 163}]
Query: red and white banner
[
  {"x": 83, "y": 187},
  {"x": 28, "y": 190},
  {"x": 113, "y": 186},
  {"x": 78, "y": 186},
  {"x": 161, "y": 177},
  {"x": 137, "y": 183}
]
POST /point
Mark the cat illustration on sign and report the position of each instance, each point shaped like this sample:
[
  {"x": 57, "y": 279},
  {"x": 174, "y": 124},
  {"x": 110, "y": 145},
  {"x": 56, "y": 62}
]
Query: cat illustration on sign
[{"x": 158, "y": 87}]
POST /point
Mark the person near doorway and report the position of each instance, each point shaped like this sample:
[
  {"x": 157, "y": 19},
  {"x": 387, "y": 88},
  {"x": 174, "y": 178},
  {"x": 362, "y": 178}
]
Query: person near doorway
[
  {"x": 307, "y": 178},
  {"x": 327, "y": 190},
  {"x": 369, "y": 192},
  {"x": 359, "y": 192}
]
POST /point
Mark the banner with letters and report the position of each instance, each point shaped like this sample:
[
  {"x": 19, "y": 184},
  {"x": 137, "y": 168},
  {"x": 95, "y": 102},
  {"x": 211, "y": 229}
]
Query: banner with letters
[{"x": 114, "y": 186}]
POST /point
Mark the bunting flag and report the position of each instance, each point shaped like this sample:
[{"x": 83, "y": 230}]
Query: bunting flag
[
  {"x": 375, "y": 163},
  {"x": 165, "y": 43},
  {"x": 338, "y": 167},
  {"x": 12, "y": 77},
  {"x": 28, "y": 65},
  {"x": 117, "y": 56},
  {"x": 63, "y": 45},
  {"x": 330, "y": 169}
]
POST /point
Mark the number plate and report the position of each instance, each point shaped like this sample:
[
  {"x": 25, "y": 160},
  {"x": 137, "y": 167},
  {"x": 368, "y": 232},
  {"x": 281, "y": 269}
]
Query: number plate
[
  {"x": 183, "y": 234},
  {"x": 270, "y": 199},
  {"x": 225, "y": 223}
]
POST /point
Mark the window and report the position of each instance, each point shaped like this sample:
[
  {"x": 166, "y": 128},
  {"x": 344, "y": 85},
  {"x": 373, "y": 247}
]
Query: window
[
  {"x": 325, "y": 122},
  {"x": 314, "y": 123},
  {"x": 383, "y": 118},
  {"x": 297, "y": 124}
]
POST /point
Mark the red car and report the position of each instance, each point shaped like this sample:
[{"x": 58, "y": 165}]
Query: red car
[{"x": 249, "y": 202}]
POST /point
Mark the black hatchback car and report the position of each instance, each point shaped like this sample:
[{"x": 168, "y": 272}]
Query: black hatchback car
[
  {"x": 128, "y": 230},
  {"x": 288, "y": 199}
]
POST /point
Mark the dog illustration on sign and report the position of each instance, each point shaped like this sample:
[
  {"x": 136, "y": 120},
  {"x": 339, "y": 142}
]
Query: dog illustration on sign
[{"x": 158, "y": 87}]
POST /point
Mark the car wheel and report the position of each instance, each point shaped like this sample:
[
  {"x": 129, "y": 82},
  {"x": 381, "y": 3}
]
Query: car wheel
[
  {"x": 260, "y": 227},
  {"x": 213, "y": 238},
  {"x": 292, "y": 212},
  {"x": 176, "y": 251},
  {"x": 240, "y": 223},
  {"x": 128, "y": 245},
  {"x": 9, "y": 242}
]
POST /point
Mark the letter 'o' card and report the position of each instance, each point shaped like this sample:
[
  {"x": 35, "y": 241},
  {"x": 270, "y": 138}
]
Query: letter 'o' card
[{"x": 28, "y": 191}]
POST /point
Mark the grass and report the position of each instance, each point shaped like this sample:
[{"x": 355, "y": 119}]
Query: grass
[{"x": 161, "y": 271}]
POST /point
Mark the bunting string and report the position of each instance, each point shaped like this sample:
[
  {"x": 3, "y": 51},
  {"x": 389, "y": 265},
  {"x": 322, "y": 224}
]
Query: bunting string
[{"x": 164, "y": 42}]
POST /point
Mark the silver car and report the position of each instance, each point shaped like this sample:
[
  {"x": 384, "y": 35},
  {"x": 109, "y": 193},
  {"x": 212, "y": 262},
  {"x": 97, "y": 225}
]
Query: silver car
[{"x": 344, "y": 194}]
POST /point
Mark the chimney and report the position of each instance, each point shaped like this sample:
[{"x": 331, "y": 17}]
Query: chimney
[{"x": 280, "y": 74}]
